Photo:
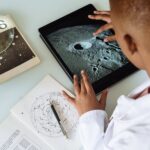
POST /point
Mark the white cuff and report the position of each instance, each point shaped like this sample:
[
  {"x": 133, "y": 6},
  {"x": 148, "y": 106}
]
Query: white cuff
[
  {"x": 91, "y": 129},
  {"x": 93, "y": 115}
]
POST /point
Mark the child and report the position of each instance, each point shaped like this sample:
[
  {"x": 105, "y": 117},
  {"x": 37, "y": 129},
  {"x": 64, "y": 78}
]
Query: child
[{"x": 129, "y": 126}]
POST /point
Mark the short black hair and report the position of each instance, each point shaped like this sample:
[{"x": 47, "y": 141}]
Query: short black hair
[{"x": 137, "y": 12}]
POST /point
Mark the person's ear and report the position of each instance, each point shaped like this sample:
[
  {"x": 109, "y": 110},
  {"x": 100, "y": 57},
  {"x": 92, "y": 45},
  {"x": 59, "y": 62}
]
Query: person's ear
[{"x": 130, "y": 43}]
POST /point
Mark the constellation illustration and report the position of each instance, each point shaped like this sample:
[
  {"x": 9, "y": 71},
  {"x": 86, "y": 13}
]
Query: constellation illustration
[{"x": 44, "y": 120}]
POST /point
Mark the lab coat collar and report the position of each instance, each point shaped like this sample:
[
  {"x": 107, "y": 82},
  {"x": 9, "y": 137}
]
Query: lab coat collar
[{"x": 129, "y": 108}]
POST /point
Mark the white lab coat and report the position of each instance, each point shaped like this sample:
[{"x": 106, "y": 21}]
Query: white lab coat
[{"x": 129, "y": 128}]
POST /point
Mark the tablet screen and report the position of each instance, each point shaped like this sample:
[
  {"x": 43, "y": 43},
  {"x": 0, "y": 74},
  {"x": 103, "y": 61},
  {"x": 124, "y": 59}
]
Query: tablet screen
[
  {"x": 70, "y": 39},
  {"x": 80, "y": 50}
]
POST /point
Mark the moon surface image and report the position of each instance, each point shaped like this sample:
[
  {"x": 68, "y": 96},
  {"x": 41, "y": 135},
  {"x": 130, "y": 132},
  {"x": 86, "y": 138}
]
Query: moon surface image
[{"x": 79, "y": 50}]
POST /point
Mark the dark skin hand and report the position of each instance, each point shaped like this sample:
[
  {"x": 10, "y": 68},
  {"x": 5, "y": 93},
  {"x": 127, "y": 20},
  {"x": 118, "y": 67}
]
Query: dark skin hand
[
  {"x": 85, "y": 99},
  {"x": 105, "y": 16}
]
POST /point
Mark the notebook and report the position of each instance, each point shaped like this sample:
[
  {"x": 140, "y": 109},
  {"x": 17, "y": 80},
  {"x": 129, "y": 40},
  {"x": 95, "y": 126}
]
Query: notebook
[{"x": 33, "y": 113}]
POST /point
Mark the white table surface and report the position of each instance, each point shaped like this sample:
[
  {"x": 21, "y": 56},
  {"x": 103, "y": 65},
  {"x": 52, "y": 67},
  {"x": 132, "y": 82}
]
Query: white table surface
[{"x": 29, "y": 16}]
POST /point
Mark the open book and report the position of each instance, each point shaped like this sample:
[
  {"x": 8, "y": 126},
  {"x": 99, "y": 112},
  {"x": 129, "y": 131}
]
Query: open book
[
  {"x": 32, "y": 124},
  {"x": 16, "y": 55}
]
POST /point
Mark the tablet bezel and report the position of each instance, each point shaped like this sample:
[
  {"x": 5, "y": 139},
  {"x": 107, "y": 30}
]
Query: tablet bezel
[{"x": 102, "y": 83}]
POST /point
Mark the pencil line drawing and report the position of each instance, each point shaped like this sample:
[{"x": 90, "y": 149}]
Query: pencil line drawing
[{"x": 44, "y": 120}]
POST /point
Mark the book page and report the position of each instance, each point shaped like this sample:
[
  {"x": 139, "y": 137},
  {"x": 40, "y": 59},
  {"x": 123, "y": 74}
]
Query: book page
[
  {"x": 35, "y": 112},
  {"x": 14, "y": 136}
]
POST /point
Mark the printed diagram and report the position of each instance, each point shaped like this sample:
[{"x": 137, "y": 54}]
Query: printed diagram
[{"x": 44, "y": 120}]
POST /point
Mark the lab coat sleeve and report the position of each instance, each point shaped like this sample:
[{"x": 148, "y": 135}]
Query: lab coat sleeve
[{"x": 91, "y": 129}]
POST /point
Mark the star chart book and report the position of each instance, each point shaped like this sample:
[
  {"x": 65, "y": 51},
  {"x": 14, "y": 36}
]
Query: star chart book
[
  {"x": 34, "y": 114},
  {"x": 16, "y": 55}
]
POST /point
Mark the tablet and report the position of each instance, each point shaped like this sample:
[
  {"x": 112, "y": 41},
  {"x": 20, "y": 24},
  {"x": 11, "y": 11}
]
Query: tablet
[{"x": 70, "y": 39}]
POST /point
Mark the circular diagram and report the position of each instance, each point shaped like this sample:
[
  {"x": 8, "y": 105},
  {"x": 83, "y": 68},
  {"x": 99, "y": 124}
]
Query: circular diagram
[{"x": 44, "y": 120}]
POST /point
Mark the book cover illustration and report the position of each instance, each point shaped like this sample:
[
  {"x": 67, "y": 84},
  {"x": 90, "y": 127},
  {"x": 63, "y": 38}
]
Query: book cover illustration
[{"x": 15, "y": 53}]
